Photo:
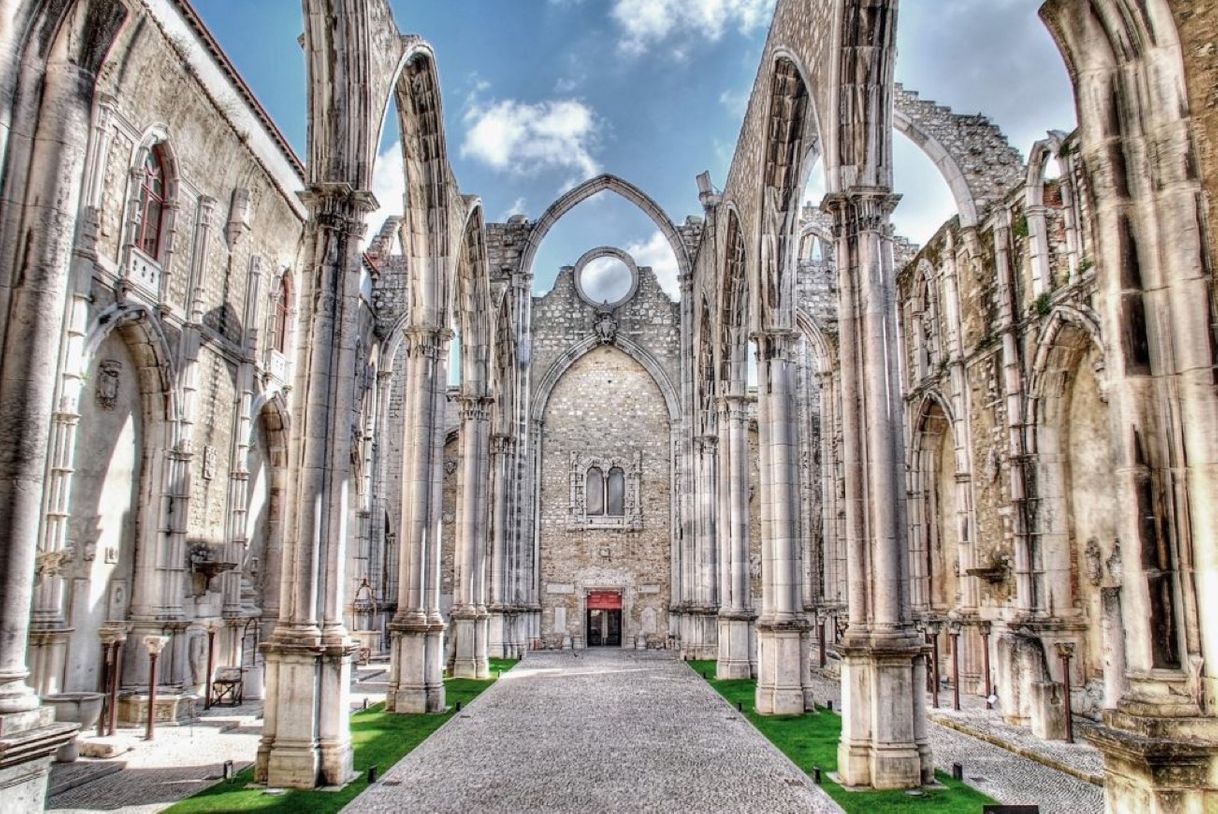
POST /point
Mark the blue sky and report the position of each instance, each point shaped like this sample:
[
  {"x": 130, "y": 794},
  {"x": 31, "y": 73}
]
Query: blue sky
[{"x": 541, "y": 94}]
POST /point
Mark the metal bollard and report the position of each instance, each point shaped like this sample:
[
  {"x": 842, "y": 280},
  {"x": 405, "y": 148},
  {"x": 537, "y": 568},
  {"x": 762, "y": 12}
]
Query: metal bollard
[
  {"x": 816, "y": 775},
  {"x": 373, "y": 772},
  {"x": 829, "y": 705},
  {"x": 458, "y": 708},
  {"x": 740, "y": 706},
  {"x": 228, "y": 770},
  {"x": 957, "y": 771}
]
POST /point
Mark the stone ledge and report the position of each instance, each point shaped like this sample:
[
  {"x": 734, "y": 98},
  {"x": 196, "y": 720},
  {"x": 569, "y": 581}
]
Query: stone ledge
[
  {"x": 1013, "y": 748},
  {"x": 35, "y": 743}
]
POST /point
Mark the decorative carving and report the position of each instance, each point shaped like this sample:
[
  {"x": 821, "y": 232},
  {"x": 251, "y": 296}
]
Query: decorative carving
[
  {"x": 106, "y": 389},
  {"x": 1094, "y": 561},
  {"x": 51, "y": 563},
  {"x": 1113, "y": 564},
  {"x": 606, "y": 328},
  {"x": 450, "y": 466},
  {"x": 209, "y": 462}
]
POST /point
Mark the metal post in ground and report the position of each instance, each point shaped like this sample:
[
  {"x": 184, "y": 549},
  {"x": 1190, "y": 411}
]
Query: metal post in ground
[
  {"x": 954, "y": 632},
  {"x": 1064, "y": 651},
  {"x": 154, "y": 645},
  {"x": 820, "y": 636},
  {"x": 934, "y": 665},
  {"x": 985, "y": 657},
  {"x": 211, "y": 663}
]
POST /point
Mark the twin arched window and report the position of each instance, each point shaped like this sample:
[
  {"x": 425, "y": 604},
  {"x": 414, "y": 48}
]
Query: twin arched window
[
  {"x": 152, "y": 204},
  {"x": 606, "y": 496}
]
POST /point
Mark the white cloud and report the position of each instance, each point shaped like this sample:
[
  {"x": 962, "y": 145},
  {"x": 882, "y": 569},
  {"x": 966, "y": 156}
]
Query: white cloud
[
  {"x": 646, "y": 23},
  {"x": 657, "y": 253},
  {"x": 389, "y": 187},
  {"x": 518, "y": 207},
  {"x": 525, "y": 139},
  {"x": 605, "y": 279},
  {"x": 737, "y": 103}
]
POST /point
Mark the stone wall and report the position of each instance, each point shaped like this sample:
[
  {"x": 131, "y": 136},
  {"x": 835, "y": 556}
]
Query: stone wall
[
  {"x": 606, "y": 405},
  {"x": 1197, "y": 21}
]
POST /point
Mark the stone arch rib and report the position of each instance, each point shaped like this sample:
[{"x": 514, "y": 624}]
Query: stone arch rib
[{"x": 585, "y": 191}]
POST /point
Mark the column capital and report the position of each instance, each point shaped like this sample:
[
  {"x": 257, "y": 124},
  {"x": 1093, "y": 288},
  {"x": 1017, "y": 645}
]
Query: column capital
[
  {"x": 861, "y": 209},
  {"x": 733, "y": 406},
  {"x": 426, "y": 340},
  {"x": 475, "y": 408},
  {"x": 339, "y": 206},
  {"x": 772, "y": 342}
]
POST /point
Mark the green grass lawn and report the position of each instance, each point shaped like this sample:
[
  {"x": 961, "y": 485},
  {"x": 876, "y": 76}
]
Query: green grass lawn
[
  {"x": 811, "y": 740},
  {"x": 380, "y": 739}
]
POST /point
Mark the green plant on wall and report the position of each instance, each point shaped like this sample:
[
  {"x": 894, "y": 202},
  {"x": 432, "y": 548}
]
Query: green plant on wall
[
  {"x": 1044, "y": 304},
  {"x": 1021, "y": 226}
]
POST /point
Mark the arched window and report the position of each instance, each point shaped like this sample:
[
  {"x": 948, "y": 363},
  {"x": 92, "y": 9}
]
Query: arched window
[
  {"x": 283, "y": 307},
  {"x": 152, "y": 204},
  {"x": 616, "y": 493},
  {"x": 595, "y": 492}
]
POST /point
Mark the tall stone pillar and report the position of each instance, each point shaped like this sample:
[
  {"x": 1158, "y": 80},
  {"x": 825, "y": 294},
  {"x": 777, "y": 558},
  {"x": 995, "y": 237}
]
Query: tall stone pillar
[
  {"x": 469, "y": 614},
  {"x": 781, "y": 659},
  {"x": 883, "y": 744},
  {"x": 41, "y": 208},
  {"x": 306, "y": 738},
  {"x": 500, "y": 637},
  {"x": 702, "y": 622},
  {"x": 736, "y": 608},
  {"x": 417, "y": 652}
]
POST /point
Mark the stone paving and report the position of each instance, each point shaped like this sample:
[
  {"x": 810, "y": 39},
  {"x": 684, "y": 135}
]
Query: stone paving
[
  {"x": 1002, "y": 774},
  {"x": 604, "y": 730},
  {"x": 182, "y": 761}
]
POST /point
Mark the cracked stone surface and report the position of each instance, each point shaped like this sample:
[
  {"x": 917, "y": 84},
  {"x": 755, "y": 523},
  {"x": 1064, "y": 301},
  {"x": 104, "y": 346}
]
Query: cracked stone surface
[{"x": 607, "y": 730}]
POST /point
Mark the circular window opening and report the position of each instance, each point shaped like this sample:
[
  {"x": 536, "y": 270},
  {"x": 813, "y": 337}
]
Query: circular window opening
[{"x": 606, "y": 277}]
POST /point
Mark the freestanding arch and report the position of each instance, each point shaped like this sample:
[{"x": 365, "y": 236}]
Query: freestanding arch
[{"x": 586, "y": 190}]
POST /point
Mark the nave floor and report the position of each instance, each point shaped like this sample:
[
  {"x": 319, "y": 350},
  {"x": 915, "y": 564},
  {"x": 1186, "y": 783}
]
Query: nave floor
[{"x": 596, "y": 730}]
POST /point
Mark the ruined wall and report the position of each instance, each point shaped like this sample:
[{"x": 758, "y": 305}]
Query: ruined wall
[
  {"x": 608, "y": 406},
  {"x": 1197, "y": 21}
]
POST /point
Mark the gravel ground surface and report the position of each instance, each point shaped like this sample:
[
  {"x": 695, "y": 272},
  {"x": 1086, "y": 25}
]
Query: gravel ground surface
[{"x": 607, "y": 730}]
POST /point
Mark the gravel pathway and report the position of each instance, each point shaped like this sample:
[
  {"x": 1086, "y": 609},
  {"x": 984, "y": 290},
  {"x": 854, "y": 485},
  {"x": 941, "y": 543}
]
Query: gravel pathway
[{"x": 604, "y": 730}]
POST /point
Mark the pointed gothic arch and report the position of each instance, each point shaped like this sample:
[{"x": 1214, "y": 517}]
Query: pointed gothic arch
[{"x": 586, "y": 190}]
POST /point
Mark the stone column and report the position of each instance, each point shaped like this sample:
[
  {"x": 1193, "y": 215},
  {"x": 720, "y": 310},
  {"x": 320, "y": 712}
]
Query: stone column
[
  {"x": 704, "y": 596},
  {"x": 306, "y": 737},
  {"x": 781, "y": 658},
  {"x": 414, "y": 681},
  {"x": 35, "y": 275},
  {"x": 500, "y": 640},
  {"x": 469, "y": 612},
  {"x": 243, "y": 427},
  {"x": 736, "y": 609},
  {"x": 882, "y": 745}
]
